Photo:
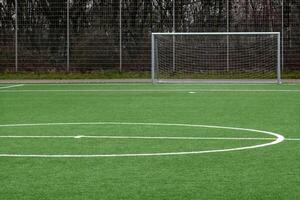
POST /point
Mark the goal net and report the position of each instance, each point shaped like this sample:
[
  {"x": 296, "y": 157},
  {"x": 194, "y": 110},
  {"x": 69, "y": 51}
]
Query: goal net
[{"x": 221, "y": 57}]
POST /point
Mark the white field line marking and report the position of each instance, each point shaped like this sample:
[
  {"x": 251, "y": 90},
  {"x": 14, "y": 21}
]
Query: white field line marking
[
  {"x": 143, "y": 137},
  {"x": 134, "y": 84},
  {"x": 279, "y": 139},
  {"x": 151, "y": 90},
  {"x": 292, "y": 139},
  {"x": 139, "y": 137},
  {"x": 11, "y": 86}
]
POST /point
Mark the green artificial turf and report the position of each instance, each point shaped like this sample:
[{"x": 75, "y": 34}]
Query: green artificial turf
[{"x": 271, "y": 172}]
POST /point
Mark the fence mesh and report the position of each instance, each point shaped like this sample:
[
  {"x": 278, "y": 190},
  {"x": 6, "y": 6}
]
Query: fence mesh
[
  {"x": 113, "y": 35},
  {"x": 94, "y": 35},
  {"x": 291, "y": 32},
  {"x": 42, "y": 35},
  {"x": 7, "y": 35}
]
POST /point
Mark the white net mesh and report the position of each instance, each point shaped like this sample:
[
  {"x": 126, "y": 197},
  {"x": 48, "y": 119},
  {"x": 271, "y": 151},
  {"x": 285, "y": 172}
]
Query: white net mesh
[{"x": 221, "y": 56}]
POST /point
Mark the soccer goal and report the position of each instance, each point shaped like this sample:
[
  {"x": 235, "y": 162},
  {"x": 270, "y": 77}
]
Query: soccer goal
[{"x": 216, "y": 57}]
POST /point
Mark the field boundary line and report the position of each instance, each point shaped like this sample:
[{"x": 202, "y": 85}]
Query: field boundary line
[
  {"x": 11, "y": 86},
  {"x": 184, "y": 90},
  {"x": 147, "y": 83}
]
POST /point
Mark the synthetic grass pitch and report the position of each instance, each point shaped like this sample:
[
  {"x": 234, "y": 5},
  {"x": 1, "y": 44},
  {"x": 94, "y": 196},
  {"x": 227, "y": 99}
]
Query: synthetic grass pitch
[{"x": 146, "y": 122}]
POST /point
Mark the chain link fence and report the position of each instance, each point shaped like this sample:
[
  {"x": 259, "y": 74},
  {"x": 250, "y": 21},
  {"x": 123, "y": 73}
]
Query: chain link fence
[{"x": 114, "y": 35}]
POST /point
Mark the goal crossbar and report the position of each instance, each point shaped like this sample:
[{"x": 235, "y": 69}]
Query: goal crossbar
[{"x": 154, "y": 49}]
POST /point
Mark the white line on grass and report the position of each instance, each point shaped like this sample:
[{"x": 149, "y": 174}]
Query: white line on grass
[
  {"x": 145, "y": 84},
  {"x": 278, "y": 139},
  {"x": 11, "y": 86},
  {"x": 292, "y": 139},
  {"x": 139, "y": 137},
  {"x": 184, "y": 90}
]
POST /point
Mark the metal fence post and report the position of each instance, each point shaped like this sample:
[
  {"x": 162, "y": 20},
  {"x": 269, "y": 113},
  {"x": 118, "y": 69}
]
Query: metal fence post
[
  {"x": 279, "y": 59},
  {"x": 153, "y": 58},
  {"x": 228, "y": 29},
  {"x": 68, "y": 35},
  {"x": 174, "y": 30},
  {"x": 282, "y": 35},
  {"x": 120, "y": 32},
  {"x": 16, "y": 35}
]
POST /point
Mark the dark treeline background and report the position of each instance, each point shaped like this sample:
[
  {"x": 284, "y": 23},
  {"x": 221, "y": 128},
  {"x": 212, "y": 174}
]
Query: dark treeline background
[{"x": 95, "y": 29}]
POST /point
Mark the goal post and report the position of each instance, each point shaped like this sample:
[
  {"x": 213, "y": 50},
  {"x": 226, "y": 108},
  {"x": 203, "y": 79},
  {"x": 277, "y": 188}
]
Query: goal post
[{"x": 240, "y": 57}]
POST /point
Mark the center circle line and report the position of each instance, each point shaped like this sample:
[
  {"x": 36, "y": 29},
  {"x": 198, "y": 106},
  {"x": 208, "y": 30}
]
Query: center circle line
[{"x": 278, "y": 139}]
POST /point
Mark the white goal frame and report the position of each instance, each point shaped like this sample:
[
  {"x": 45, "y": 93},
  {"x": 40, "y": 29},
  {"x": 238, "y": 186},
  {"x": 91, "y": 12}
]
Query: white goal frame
[{"x": 154, "y": 55}]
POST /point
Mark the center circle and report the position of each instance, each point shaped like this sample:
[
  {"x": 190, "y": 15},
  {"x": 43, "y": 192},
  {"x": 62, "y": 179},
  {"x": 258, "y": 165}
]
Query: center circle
[{"x": 277, "y": 139}]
